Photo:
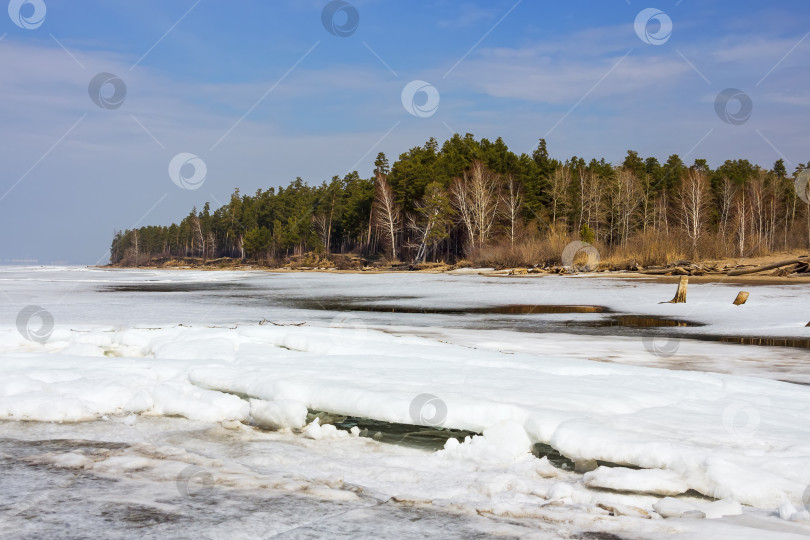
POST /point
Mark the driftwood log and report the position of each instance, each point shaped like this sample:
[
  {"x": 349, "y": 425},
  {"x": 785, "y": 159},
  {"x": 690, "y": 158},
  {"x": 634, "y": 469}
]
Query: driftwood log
[
  {"x": 676, "y": 271},
  {"x": 772, "y": 266},
  {"x": 657, "y": 271}
]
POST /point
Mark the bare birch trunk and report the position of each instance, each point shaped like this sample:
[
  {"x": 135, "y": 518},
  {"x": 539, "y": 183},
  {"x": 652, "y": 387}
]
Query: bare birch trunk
[{"x": 387, "y": 213}]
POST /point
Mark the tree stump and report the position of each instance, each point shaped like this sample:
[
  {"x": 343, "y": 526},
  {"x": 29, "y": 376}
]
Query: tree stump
[
  {"x": 742, "y": 296},
  {"x": 680, "y": 295}
]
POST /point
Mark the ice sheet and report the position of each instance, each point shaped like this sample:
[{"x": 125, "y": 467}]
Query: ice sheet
[{"x": 195, "y": 349}]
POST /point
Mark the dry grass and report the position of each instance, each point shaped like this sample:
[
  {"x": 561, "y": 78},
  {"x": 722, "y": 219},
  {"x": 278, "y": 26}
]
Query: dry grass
[
  {"x": 647, "y": 249},
  {"x": 310, "y": 260},
  {"x": 530, "y": 250},
  {"x": 643, "y": 249}
]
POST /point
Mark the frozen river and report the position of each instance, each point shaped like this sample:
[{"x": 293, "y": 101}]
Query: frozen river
[{"x": 184, "y": 403}]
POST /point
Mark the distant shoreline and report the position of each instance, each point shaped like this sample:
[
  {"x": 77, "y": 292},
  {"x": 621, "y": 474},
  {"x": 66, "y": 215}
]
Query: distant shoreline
[{"x": 702, "y": 272}]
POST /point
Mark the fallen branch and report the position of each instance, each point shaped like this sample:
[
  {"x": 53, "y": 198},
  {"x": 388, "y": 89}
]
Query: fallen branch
[{"x": 265, "y": 321}]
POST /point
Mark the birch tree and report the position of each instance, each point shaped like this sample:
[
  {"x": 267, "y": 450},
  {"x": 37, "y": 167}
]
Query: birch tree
[
  {"x": 628, "y": 200},
  {"x": 136, "y": 244},
  {"x": 475, "y": 196},
  {"x": 511, "y": 203},
  {"x": 198, "y": 239},
  {"x": 432, "y": 220},
  {"x": 560, "y": 183},
  {"x": 693, "y": 199},
  {"x": 740, "y": 221},
  {"x": 386, "y": 212},
  {"x": 725, "y": 205}
]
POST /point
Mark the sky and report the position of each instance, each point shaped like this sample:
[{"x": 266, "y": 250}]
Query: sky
[{"x": 118, "y": 114}]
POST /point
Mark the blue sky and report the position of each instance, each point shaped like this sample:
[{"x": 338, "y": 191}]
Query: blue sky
[{"x": 262, "y": 93}]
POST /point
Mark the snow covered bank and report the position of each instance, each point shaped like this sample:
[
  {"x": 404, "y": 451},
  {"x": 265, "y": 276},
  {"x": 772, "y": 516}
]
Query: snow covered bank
[{"x": 723, "y": 436}]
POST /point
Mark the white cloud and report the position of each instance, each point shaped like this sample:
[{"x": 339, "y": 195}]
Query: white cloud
[{"x": 752, "y": 49}]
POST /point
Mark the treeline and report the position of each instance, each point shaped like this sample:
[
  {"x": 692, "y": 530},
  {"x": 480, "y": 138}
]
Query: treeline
[{"x": 478, "y": 200}]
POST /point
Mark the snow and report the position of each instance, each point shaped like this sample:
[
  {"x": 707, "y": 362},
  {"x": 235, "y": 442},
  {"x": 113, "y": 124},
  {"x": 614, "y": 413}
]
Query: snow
[
  {"x": 655, "y": 434},
  {"x": 669, "y": 507},
  {"x": 648, "y": 418},
  {"x": 655, "y": 481},
  {"x": 317, "y": 431},
  {"x": 279, "y": 414}
]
